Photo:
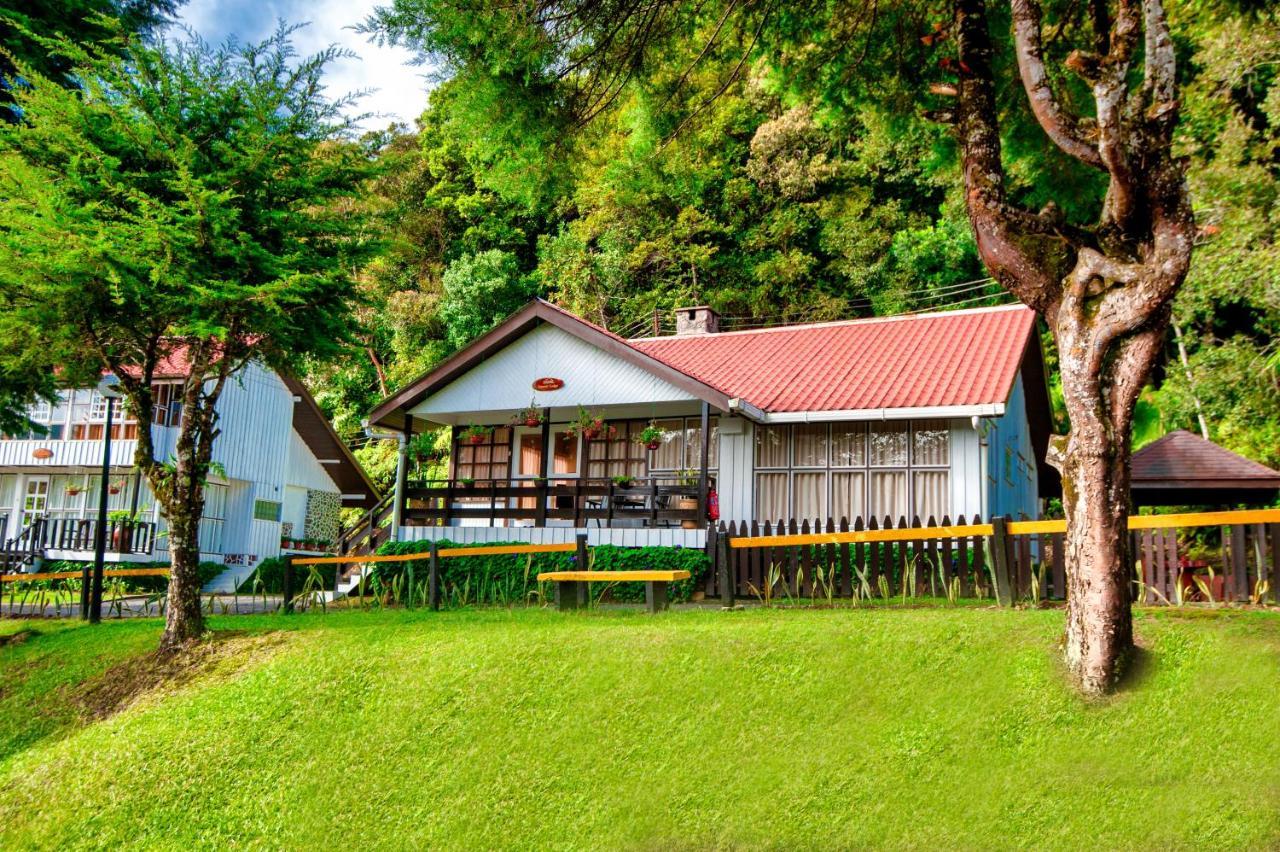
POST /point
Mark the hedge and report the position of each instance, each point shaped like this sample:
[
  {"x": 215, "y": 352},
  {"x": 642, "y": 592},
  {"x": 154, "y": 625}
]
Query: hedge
[{"x": 507, "y": 579}]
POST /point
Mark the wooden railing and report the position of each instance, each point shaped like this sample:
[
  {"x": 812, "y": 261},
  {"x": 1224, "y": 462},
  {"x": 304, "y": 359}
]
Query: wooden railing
[
  {"x": 366, "y": 534},
  {"x": 650, "y": 501},
  {"x": 134, "y": 538}
]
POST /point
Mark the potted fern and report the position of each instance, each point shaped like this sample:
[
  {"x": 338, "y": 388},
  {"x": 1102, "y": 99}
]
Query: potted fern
[
  {"x": 651, "y": 436},
  {"x": 590, "y": 425},
  {"x": 474, "y": 434}
]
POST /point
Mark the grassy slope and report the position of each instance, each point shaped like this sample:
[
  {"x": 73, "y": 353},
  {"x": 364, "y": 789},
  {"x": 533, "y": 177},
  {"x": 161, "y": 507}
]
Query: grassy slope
[{"x": 908, "y": 728}]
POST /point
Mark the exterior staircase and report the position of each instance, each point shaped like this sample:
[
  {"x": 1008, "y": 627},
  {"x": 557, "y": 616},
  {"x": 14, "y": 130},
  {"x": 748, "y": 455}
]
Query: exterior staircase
[{"x": 364, "y": 537}]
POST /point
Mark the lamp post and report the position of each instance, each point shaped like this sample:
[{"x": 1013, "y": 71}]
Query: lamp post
[{"x": 109, "y": 388}]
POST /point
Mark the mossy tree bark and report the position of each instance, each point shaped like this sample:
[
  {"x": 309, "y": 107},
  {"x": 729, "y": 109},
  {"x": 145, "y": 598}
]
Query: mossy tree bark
[{"x": 1104, "y": 290}]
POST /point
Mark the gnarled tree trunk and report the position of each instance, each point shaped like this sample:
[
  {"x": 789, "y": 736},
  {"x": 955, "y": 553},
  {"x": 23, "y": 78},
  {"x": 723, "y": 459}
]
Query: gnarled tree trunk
[
  {"x": 179, "y": 483},
  {"x": 1105, "y": 290}
]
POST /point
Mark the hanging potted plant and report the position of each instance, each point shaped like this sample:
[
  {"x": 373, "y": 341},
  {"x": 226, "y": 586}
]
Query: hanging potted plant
[
  {"x": 74, "y": 490},
  {"x": 651, "y": 436},
  {"x": 591, "y": 425},
  {"x": 475, "y": 434},
  {"x": 531, "y": 416},
  {"x": 115, "y": 487}
]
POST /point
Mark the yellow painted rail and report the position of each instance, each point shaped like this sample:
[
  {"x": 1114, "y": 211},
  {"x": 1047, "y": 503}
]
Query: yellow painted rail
[
  {"x": 72, "y": 575},
  {"x": 445, "y": 553},
  {"x": 613, "y": 576},
  {"x": 1136, "y": 522}
]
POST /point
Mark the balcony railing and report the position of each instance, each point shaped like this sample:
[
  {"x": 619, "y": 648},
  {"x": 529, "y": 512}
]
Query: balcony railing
[
  {"x": 123, "y": 537},
  {"x": 642, "y": 501}
]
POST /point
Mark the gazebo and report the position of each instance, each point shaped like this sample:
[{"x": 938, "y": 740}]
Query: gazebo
[{"x": 1182, "y": 469}]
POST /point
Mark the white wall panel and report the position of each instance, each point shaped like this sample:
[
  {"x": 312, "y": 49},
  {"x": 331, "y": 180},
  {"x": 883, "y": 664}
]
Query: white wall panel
[
  {"x": 736, "y": 484},
  {"x": 503, "y": 382},
  {"x": 86, "y": 454},
  {"x": 968, "y": 477},
  {"x": 304, "y": 469}
]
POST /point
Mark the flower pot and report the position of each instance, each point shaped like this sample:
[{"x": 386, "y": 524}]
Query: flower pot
[
  {"x": 476, "y": 439},
  {"x": 115, "y": 489},
  {"x": 653, "y": 445},
  {"x": 533, "y": 421}
]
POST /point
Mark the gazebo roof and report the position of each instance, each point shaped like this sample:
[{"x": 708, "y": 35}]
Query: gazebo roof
[{"x": 1185, "y": 469}]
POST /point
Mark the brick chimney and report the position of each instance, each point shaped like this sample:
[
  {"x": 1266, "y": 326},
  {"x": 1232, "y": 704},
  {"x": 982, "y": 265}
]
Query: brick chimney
[{"x": 696, "y": 320}]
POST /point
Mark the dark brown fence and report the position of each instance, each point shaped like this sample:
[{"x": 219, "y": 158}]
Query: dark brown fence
[{"x": 1003, "y": 559}]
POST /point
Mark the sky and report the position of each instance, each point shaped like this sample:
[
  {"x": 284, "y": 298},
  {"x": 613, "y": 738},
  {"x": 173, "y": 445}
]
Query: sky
[{"x": 399, "y": 88}]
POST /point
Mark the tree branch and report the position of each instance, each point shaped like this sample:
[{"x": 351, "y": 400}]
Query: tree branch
[{"x": 1066, "y": 130}]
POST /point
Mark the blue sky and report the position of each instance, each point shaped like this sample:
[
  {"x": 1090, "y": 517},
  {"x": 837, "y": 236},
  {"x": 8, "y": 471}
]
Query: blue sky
[{"x": 401, "y": 88}]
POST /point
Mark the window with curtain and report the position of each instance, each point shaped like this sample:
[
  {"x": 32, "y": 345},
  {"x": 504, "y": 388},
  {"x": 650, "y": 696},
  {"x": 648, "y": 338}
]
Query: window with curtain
[
  {"x": 895, "y": 469},
  {"x": 488, "y": 460},
  {"x": 617, "y": 454}
]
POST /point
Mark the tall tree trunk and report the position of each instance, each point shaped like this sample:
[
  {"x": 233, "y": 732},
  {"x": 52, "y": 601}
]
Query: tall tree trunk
[
  {"x": 1105, "y": 290},
  {"x": 184, "y": 619}
]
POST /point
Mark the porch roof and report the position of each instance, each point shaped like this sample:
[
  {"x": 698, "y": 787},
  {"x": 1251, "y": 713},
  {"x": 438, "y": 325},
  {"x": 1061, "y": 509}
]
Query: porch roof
[{"x": 1185, "y": 469}]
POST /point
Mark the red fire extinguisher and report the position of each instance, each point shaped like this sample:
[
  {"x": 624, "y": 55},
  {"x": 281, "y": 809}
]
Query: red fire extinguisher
[{"x": 713, "y": 505}]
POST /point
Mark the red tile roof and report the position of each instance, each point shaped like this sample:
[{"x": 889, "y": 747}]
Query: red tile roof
[
  {"x": 967, "y": 357},
  {"x": 1186, "y": 459}
]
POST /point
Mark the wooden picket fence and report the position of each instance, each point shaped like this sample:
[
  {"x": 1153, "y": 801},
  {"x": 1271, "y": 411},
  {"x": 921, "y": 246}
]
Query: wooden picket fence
[{"x": 1003, "y": 559}]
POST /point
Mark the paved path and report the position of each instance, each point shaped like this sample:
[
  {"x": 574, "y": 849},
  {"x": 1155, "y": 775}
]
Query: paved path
[{"x": 135, "y": 606}]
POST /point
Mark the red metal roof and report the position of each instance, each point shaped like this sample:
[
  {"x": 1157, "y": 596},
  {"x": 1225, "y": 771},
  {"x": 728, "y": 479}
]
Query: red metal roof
[{"x": 967, "y": 357}]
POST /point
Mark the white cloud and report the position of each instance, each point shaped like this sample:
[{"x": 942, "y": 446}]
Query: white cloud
[{"x": 397, "y": 90}]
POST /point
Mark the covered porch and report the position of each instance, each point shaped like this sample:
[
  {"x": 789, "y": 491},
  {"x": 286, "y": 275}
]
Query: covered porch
[{"x": 617, "y": 466}]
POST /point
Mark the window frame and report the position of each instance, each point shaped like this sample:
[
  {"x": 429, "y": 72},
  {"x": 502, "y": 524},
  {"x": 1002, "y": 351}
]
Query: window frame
[{"x": 866, "y": 468}]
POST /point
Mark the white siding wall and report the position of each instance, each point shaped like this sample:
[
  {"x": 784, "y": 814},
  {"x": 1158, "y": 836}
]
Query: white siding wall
[
  {"x": 736, "y": 484},
  {"x": 503, "y": 383},
  {"x": 968, "y": 476},
  {"x": 304, "y": 470},
  {"x": 87, "y": 454}
]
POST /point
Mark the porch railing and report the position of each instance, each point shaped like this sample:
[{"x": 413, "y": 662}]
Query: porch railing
[
  {"x": 648, "y": 501},
  {"x": 124, "y": 537}
]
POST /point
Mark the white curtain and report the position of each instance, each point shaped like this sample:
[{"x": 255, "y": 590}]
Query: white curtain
[
  {"x": 693, "y": 444},
  {"x": 931, "y": 443},
  {"x": 889, "y": 494},
  {"x": 932, "y": 495},
  {"x": 848, "y": 498},
  {"x": 771, "y": 496},
  {"x": 667, "y": 456},
  {"x": 848, "y": 444},
  {"x": 810, "y": 445},
  {"x": 889, "y": 444},
  {"x": 771, "y": 446},
  {"x": 810, "y": 496}
]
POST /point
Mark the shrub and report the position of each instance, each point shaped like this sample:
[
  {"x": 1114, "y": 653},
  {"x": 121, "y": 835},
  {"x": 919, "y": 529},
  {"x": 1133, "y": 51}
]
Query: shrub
[
  {"x": 271, "y": 572},
  {"x": 508, "y": 579}
]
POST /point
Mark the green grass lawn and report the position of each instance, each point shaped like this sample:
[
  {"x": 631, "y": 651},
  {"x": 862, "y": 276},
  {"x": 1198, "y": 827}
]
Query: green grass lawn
[{"x": 919, "y": 728}]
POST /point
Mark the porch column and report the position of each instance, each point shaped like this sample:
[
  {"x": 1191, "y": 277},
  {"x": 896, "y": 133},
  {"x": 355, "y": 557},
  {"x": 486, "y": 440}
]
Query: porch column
[
  {"x": 702, "y": 468},
  {"x": 402, "y": 478},
  {"x": 542, "y": 488}
]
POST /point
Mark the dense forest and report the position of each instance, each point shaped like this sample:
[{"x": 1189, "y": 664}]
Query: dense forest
[
  {"x": 782, "y": 164},
  {"x": 780, "y": 174}
]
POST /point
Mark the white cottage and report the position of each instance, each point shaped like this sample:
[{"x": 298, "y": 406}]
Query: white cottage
[
  {"x": 282, "y": 475},
  {"x": 930, "y": 415}
]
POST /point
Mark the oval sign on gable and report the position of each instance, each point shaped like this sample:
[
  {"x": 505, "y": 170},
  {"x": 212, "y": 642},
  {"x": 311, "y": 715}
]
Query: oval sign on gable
[
  {"x": 548, "y": 383},
  {"x": 42, "y": 453}
]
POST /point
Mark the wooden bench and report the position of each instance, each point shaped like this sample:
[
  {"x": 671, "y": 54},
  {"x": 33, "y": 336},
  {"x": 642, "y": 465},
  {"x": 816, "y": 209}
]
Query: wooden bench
[{"x": 571, "y": 586}]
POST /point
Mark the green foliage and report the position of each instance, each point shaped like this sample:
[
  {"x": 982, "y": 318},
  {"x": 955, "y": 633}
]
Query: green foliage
[
  {"x": 510, "y": 579},
  {"x": 269, "y": 577},
  {"x": 479, "y": 291}
]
